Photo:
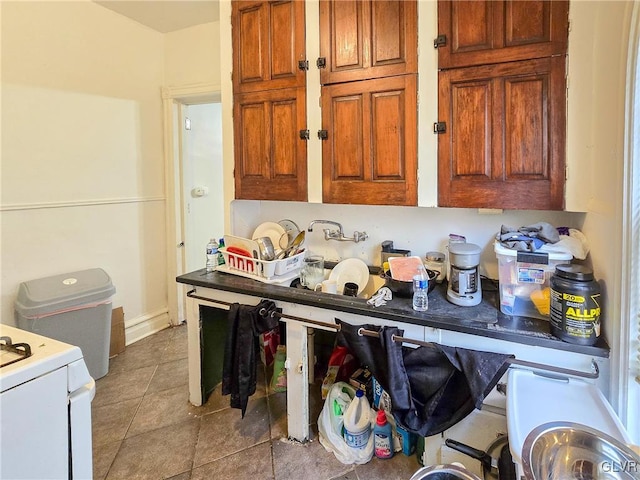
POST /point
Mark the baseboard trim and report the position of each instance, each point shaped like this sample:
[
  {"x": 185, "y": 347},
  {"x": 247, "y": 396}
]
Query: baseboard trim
[{"x": 141, "y": 327}]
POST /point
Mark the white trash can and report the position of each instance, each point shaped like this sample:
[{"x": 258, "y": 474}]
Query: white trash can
[{"x": 74, "y": 308}]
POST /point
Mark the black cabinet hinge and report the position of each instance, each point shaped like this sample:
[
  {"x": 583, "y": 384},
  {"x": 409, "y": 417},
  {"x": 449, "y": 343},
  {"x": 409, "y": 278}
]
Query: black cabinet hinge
[
  {"x": 440, "y": 41},
  {"x": 321, "y": 62},
  {"x": 304, "y": 134},
  {"x": 303, "y": 65},
  {"x": 323, "y": 134},
  {"x": 439, "y": 127}
]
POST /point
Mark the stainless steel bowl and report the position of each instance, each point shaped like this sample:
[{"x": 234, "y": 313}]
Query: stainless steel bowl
[
  {"x": 444, "y": 472},
  {"x": 267, "y": 251},
  {"x": 566, "y": 450}
]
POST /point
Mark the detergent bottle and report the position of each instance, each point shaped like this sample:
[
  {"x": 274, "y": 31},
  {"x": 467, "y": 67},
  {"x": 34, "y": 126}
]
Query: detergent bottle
[
  {"x": 357, "y": 425},
  {"x": 382, "y": 436}
]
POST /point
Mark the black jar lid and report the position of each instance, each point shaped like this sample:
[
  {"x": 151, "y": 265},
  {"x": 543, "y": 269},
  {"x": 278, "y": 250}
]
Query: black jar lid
[{"x": 574, "y": 272}]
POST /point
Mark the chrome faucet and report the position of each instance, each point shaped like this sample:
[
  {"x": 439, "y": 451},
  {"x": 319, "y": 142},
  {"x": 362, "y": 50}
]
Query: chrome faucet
[{"x": 337, "y": 234}]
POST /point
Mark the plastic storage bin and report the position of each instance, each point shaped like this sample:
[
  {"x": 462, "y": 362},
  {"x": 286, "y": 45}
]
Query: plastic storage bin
[
  {"x": 524, "y": 280},
  {"x": 74, "y": 308}
]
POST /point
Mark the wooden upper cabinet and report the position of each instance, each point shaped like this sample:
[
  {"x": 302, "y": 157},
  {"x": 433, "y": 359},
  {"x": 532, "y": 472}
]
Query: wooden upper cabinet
[
  {"x": 270, "y": 156},
  {"x": 268, "y": 43},
  {"x": 480, "y": 32},
  {"x": 367, "y": 39},
  {"x": 370, "y": 154},
  {"x": 505, "y": 135}
]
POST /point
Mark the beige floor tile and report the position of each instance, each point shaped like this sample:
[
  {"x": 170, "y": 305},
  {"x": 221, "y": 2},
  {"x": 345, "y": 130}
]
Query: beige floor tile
[
  {"x": 111, "y": 422},
  {"x": 399, "y": 467},
  {"x": 226, "y": 432},
  {"x": 352, "y": 475},
  {"x": 161, "y": 409},
  {"x": 137, "y": 356},
  {"x": 308, "y": 461},
  {"x": 169, "y": 375},
  {"x": 157, "y": 454},
  {"x": 103, "y": 457},
  {"x": 254, "y": 463},
  {"x": 116, "y": 387}
]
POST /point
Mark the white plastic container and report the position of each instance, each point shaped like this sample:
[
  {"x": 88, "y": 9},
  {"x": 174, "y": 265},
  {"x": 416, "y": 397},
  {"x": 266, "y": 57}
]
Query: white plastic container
[
  {"x": 524, "y": 280},
  {"x": 357, "y": 424}
]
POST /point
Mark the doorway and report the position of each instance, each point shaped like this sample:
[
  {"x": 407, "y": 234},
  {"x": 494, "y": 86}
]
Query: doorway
[
  {"x": 202, "y": 188},
  {"x": 194, "y": 183}
]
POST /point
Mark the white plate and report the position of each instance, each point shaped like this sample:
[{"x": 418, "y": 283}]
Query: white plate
[
  {"x": 271, "y": 230},
  {"x": 350, "y": 270}
]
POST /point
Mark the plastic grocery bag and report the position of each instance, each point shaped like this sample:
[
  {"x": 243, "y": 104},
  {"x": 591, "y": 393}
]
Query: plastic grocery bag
[{"x": 330, "y": 425}]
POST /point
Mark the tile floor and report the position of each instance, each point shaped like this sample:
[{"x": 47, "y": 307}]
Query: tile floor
[{"x": 145, "y": 428}]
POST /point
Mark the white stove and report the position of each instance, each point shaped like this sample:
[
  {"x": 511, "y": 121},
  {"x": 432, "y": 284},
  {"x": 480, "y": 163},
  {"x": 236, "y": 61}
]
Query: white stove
[{"x": 45, "y": 419}]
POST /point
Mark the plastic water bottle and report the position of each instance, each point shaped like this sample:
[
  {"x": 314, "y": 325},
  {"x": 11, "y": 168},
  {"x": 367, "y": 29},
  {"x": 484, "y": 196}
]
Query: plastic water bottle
[
  {"x": 212, "y": 255},
  {"x": 420, "y": 289},
  {"x": 382, "y": 436},
  {"x": 357, "y": 425}
]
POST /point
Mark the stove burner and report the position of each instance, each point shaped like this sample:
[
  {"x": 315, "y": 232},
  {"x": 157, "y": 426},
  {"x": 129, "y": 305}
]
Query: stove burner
[{"x": 12, "y": 352}]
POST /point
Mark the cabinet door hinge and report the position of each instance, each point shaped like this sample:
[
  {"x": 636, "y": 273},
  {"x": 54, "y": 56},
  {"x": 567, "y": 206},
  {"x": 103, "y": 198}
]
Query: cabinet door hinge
[
  {"x": 439, "y": 127},
  {"x": 440, "y": 41},
  {"x": 323, "y": 134},
  {"x": 303, "y": 65},
  {"x": 321, "y": 62},
  {"x": 304, "y": 134}
]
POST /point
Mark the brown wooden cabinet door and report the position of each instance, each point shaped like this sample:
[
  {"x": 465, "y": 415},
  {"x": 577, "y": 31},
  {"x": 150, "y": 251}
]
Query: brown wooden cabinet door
[
  {"x": 367, "y": 39},
  {"x": 268, "y": 41},
  {"x": 505, "y": 135},
  {"x": 480, "y": 32},
  {"x": 370, "y": 155},
  {"x": 270, "y": 156}
]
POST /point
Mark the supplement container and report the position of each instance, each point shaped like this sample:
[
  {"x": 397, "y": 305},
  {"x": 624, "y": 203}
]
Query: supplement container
[
  {"x": 524, "y": 279},
  {"x": 575, "y": 305}
]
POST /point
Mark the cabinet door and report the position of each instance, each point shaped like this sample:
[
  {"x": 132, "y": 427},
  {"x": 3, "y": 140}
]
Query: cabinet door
[
  {"x": 505, "y": 135},
  {"x": 268, "y": 42},
  {"x": 367, "y": 39},
  {"x": 370, "y": 154},
  {"x": 270, "y": 156},
  {"x": 479, "y": 32}
]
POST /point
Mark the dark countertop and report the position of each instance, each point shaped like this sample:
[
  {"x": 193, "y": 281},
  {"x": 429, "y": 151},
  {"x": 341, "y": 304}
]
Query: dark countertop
[{"x": 485, "y": 319}]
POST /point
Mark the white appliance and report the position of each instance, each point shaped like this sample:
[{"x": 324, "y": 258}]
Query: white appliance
[
  {"x": 45, "y": 408},
  {"x": 464, "y": 280},
  {"x": 534, "y": 399}
]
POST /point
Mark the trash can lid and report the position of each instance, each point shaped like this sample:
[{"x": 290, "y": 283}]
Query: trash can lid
[{"x": 45, "y": 295}]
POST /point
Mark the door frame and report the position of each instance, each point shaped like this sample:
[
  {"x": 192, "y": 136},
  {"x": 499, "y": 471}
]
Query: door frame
[{"x": 173, "y": 100}]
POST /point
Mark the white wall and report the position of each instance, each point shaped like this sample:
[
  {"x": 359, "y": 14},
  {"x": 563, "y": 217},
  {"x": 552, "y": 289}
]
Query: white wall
[
  {"x": 192, "y": 55},
  {"x": 417, "y": 229},
  {"x": 82, "y": 159},
  {"x": 597, "y": 123}
]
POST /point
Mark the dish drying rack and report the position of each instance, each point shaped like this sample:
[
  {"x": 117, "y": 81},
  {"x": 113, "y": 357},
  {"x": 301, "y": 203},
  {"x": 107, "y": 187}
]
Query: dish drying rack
[{"x": 273, "y": 271}]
